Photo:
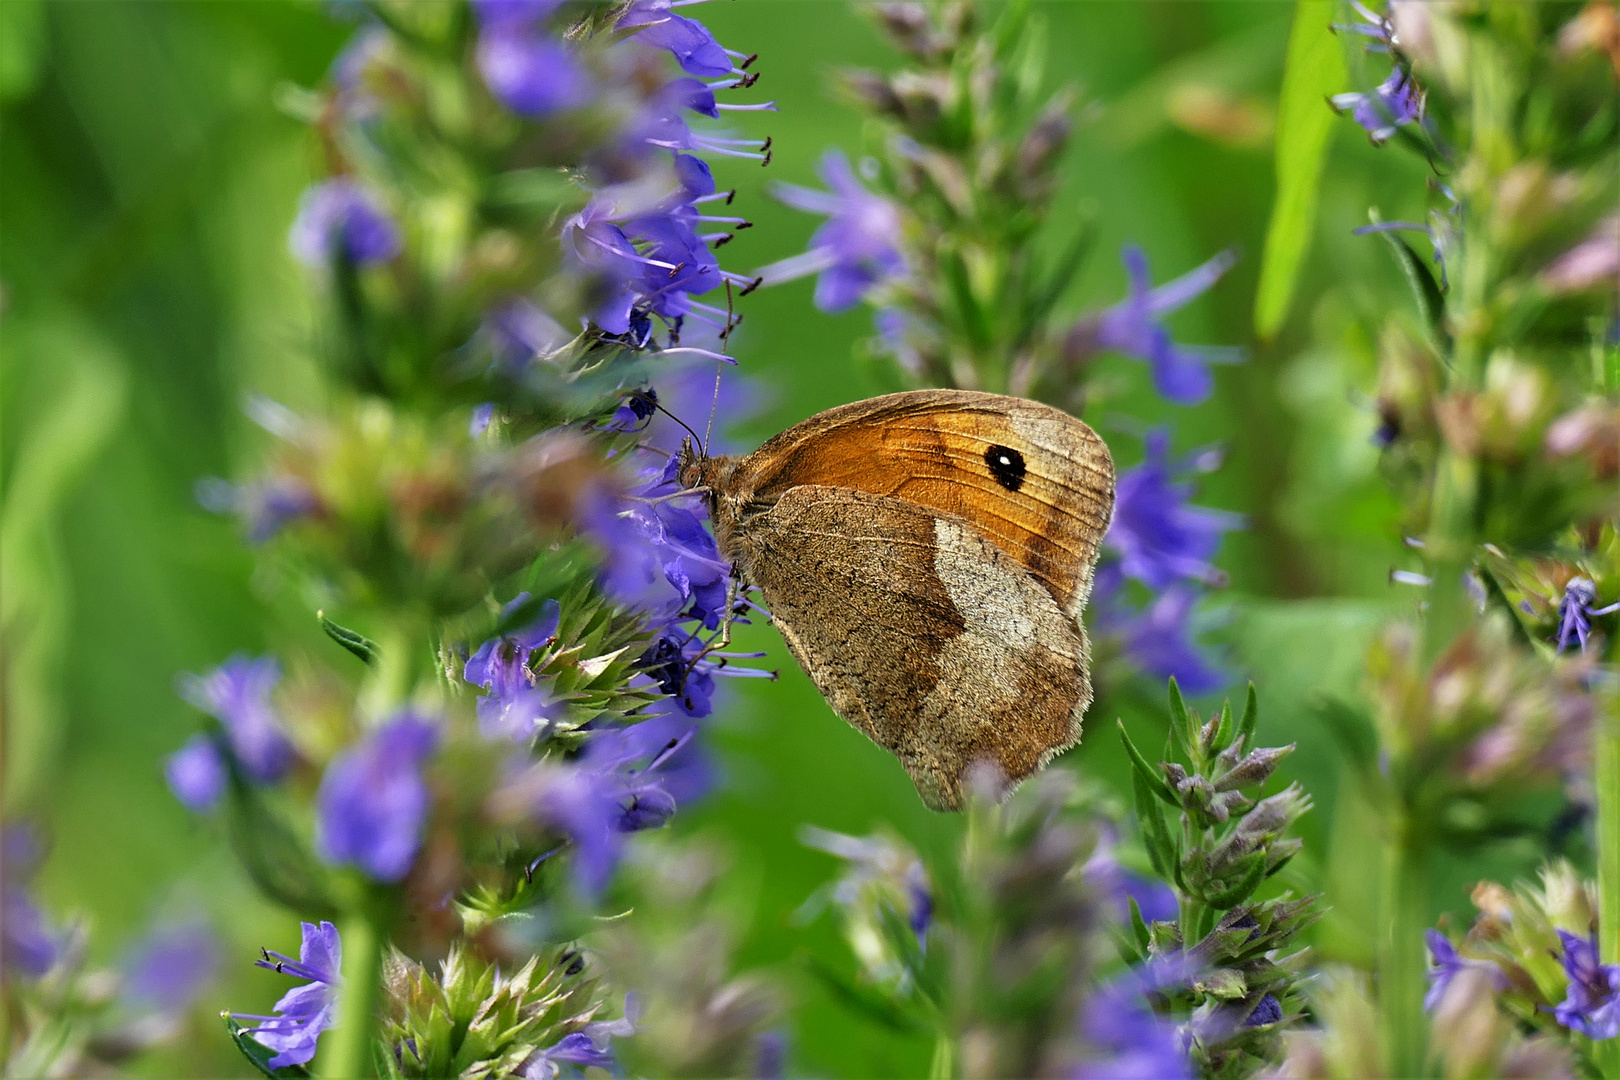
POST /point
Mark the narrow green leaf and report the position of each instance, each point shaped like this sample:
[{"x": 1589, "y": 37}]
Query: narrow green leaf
[
  {"x": 1223, "y": 732},
  {"x": 1155, "y": 835},
  {"x": 359, "y": 644},
  {"x": 1243, "y": 888},
  {"x": 1146, "y": 771},
  {"x": 1313, "y": 70},
  {"x": 1178, "y": 710},
  {"x": 257, "y": 1053},
  {"x": 1251, "y": 716},
  {"x": 1139, "y": 925},
  {"x": 1431, "y": 302}
]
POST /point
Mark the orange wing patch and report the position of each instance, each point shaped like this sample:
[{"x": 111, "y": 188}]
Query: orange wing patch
[{"x": 1029, "y": 478}]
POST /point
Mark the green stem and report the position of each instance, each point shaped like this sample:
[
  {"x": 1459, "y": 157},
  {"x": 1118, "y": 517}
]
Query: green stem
[
  {"x": 347, "y": 1054},
  {"x": 943, "y": 1067},
  {"x": 1401, "y": 962},
  {"x": 1606, "y": 754}
]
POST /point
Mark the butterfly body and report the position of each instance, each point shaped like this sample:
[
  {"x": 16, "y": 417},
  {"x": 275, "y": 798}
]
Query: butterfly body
[{"x": 926, "y": 557}]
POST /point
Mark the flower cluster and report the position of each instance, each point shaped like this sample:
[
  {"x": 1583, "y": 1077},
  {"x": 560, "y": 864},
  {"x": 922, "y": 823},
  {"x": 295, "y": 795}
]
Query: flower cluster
[
  {"x": 514, "y": 243},
  {"x": 1227, "y": 962}
]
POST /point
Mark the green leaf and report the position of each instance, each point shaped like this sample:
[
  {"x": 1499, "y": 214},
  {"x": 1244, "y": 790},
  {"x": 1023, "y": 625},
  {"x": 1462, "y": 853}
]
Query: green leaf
[
  {"x": 1146, "y": 771},
  {"x": 1155, "y": 835},
  {"x": 1251, "y": 717},
  {"x": 1139, "y": 925},
  {"x": 357, "y": 643},
  {"x": 1431, "y": 302},
  {"x": 257, "y": 1053},
  {"x": 1314, "y": 70}
]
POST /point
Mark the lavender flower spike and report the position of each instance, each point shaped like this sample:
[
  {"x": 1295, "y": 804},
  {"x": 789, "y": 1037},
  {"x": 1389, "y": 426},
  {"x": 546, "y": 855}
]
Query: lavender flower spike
[
  {"x": 340, "y": 219},
  {"x": 856, "y": 249},
  {"x": 304, "y": 1011},
  {"x": 1592, "y": 1006},
  {"x": 373, "y": 802},
  {"x": 514, "y": 707},
  {"x": 1180, "y": 373}
]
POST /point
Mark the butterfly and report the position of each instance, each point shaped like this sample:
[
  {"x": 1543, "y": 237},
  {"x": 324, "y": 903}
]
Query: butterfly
[{"x": 926, "y": 557}]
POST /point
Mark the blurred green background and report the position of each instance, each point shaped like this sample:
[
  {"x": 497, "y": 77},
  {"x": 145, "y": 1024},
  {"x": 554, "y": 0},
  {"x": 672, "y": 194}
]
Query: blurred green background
[{"x": 148, "y": 180}]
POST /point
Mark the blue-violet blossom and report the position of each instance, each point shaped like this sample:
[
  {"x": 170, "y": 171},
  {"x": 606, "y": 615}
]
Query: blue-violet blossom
[
  {"x": 340, "y": 219},
  {"x": 373, "y": 802},
  {"x": 304, "y": 1011},
  {"x": 526, "y": 67},
  {"x": 514, "y": 707},
  {"x": 1445, "y": 966},
  {"x": 1158, "y": 639},
  {"x": 1128, "y": 1040},
  {"x": 1160, "y": 537},
  {"x": 1575, "y": 612},
  {"x": 169, "y": 967},
  {"x": 28, "y": 944},
  {"x": 237, "y": 694},
  {"x": 1592, "y": 1004},
  {"x": 1132, "y": 326},
  {"x": 1391, "y": 104},
  {"x": 857, "y": 247},
  {"x": 197, "y": 773}
]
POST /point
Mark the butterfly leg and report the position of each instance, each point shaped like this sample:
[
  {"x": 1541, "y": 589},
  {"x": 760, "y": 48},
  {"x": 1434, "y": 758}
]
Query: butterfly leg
[{"x": 723, "y": 638}]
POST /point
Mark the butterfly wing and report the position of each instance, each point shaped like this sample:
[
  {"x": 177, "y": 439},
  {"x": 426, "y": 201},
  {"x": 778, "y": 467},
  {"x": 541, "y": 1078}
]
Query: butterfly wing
[
  {"x": 1031, "y": 479},
  {"x": 920, "y": 632}
]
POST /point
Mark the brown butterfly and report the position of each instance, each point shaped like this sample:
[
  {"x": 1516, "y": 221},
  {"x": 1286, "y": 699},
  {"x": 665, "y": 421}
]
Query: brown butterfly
[{"x": 926, "y": 557}]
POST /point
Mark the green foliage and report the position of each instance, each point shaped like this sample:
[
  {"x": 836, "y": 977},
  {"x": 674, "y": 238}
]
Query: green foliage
[
  {"x": 1314, "y": 70},
  {"x": 473, "y": 1022}
]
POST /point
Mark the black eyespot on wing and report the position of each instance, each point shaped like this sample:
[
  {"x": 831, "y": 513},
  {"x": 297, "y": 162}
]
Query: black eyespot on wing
[{"x": 1006, "y": 465}]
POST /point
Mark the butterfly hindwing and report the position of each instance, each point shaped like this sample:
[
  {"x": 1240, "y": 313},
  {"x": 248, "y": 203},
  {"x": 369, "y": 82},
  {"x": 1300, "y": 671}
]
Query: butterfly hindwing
[{"x": 920, "y": 632}]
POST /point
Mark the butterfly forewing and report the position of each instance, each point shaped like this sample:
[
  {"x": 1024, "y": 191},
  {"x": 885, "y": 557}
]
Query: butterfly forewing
[{"x": 1032, "y": 480}]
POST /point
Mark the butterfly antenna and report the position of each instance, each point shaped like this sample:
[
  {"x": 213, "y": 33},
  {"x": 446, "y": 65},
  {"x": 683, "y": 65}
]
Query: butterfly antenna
[
  {"x": 725, "y": 346},
  {"x": 675, "y": 418}
]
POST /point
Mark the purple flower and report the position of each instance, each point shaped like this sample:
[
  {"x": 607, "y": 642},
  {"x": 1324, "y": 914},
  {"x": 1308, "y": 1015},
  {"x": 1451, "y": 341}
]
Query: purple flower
[
  {"x": 1394, "y": 102},
  {"x": 264, "y": 507},
  {"x": 526, "y": 68},
  {"x": 615, "y": 787},
  {"x": 583, "y": 1049},
  {"x": 1159, "y": 639},
  {"x": 373, "y": 801},
  {"x": 339, "y": 219},
  {"x": 1575, "y": 612},
  {"x": 856, "y": 249},
  {"x": 1132, "y": 326},
  {"x": 197, "y": 774},
  {"x": 28, "y": 944},
  {"x": 1119, "y": 886},
  {"x": 304, "y": 1011},
  {"x": 1447, "y": 963},
  {"x": 1128, "y": 1041},
  {"x": 237, "y": 694},
  {"x": 514, "y": 707},
  {"x": 168, "y": 968},
  {"x": 1372, "y": 25},
  {"x": 517, "y": 332},
  {"x": 654, "y": 262},
  {"x": 1161, "y": 538},
  {"x": 1269, "y": 1011},
  {"x": 688, "y": 40},
  {"x": 1592, "y": 1005}
]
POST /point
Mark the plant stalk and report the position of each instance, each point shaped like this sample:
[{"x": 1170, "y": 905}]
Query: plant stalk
[
  {"x": 348, "y": 1054},
  {"x": 1401, "y": 962}
]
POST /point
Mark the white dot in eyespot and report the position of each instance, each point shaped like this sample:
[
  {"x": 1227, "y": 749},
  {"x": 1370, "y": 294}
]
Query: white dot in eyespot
[{"x": 1005, "y": 460}]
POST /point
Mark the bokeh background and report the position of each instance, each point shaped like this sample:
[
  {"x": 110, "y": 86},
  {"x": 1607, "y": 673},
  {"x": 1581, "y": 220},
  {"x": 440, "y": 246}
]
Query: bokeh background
[{"x": 147, "y": 181}]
